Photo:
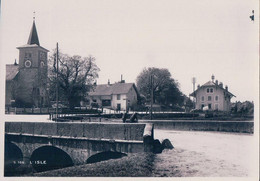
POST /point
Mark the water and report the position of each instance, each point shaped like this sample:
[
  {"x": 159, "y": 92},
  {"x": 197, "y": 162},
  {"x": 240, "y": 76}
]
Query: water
[{"x": 205, "y": 154}]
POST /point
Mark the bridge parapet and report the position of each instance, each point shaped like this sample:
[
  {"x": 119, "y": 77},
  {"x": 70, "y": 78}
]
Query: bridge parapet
[{"x": 119, "y": 132}]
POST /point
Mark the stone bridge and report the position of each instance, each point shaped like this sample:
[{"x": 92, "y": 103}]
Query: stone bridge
[{"x": 65, "y": 144}]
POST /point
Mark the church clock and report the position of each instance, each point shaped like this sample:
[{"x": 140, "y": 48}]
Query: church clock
[{"x": 27, "y": 63}]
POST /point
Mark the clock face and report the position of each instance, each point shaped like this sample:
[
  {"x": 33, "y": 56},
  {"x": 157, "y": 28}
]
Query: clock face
[{"x": 27, "y": 63}]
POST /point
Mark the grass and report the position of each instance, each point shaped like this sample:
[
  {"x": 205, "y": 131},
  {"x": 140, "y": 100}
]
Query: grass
[{"x": 135, "y": 165}]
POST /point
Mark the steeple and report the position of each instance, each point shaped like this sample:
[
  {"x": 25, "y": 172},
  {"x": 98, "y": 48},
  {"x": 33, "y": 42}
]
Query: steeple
[{"x": 33, "y": 38}]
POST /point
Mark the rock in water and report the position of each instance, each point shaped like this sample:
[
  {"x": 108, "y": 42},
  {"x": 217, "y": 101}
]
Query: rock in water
[
  {"x": 166, "y": 144},
  {"x": 157, "y": 146}
]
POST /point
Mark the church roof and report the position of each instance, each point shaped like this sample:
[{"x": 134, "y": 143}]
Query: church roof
[
  {"x": 110, "y": 89},
  {"x": 31, "y": 46},
  {"x": 33, "y": 37},
  {"x": 33, "y": 40},
  {"x": 11, "y": 71}
]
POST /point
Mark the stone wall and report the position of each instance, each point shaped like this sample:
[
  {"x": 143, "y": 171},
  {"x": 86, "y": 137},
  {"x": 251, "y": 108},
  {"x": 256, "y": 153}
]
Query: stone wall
[
  {"x": 120, "y": 131},
  {"x": 227, "y": 126}
]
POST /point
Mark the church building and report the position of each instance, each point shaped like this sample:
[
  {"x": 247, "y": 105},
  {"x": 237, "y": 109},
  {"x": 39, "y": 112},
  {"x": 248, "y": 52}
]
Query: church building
[{"x": 26, "y": 81}]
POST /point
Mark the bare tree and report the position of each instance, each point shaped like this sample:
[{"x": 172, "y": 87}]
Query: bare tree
[{"x": 76, "y": 76}]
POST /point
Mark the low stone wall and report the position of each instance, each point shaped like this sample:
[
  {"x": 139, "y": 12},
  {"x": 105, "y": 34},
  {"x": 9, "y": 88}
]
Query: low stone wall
[
  {"x": 120, "y": 131},
  {"x": 227, "y": 126}
]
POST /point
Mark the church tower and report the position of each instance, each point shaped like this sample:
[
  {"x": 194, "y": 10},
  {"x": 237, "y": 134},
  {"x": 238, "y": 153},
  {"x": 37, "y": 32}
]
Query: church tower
[{"x": 33, "y": 68}]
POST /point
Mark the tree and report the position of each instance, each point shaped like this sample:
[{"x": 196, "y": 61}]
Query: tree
[
  {"x": 76, "y": 76},
  {"x": 165, "y": 88}
]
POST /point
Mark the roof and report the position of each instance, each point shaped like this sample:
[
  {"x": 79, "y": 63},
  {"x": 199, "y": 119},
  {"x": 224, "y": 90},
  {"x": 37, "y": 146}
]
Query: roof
[
  {"x": 33, "y": 41},
  {"x": 32, "y": 46},
  {"x": 211, "y": 84},
  {"x": 110, "y": 89},
  {"x": 33, "y": 37},
  {"x": 11, "y": 71}
]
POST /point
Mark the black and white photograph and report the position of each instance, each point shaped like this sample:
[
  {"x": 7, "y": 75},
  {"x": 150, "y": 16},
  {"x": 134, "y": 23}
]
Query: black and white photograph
[{"x": 129, "y": 89}]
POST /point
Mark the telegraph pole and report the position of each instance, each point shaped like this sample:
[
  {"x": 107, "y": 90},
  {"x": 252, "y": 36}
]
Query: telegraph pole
[
  {"x": 57, "y": 82},
  {"x": 193, "y": 82},
  {"x": 151, "y": 108}
]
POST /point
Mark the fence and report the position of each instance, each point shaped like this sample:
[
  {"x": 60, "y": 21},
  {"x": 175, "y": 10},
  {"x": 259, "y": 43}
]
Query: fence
[{"x": 14, "y": 110}]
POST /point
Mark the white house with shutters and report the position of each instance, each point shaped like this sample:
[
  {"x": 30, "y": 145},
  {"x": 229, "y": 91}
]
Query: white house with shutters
[
  {"x": 213, "y": 95},
  {"x": 117, "y": 96}
]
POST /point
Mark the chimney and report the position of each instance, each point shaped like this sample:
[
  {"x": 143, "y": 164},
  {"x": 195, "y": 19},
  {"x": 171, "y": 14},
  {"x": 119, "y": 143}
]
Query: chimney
[
  {"x": 108, "y": 82},
  {"x": 221, "y": 84},
  {"x": 15, "y": 63},
  {"x": 226, "y": 87},
  {"x": 198, "y": 86},
  {"x": 217, "y": 82},
  {"x": 212, "y": 77},
  {"x": 122, "y": 81}
]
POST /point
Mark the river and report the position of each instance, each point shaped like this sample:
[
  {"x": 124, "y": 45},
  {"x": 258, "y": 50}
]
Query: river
[{"x": 206, "y": 154}]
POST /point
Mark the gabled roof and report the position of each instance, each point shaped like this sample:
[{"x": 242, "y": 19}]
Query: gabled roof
[
  {"x": 211, "y": 84},
  {"x": 33, "y": 37},
  {"x": 110, "y": 89},
  {"x": 11, "y": 71}
]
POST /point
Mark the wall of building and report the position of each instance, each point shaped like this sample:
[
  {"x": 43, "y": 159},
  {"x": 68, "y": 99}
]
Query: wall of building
[
  {"x": 8, "y": 95},
  {"x": 132, "y": 97},
  {"x": 219, "y": 104},
  {"x": 122, "y": 101},
  {"x": 32, "y": 80}
]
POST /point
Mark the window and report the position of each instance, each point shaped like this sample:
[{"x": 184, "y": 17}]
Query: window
[
  {"x": 211, "y": 90},
  {"x": 209, "y": 98},
  {"x": 202, "y": 105},
  {"x": 207, "y": 90},
  {"x": 209, "y": 105},
  {"x": 118, "y": 107},
  {"x": 216, "y": 98},
  {"x": 28, "y": 56},
  {"x": 106, "y": 102},
  {"x": 87, "y": 101},
  {"x": 94, "y": 100},
  {"x": 202, "y": 98},
  {"x": 216, "y": 106},
  {"x": 118, "y": 97}
]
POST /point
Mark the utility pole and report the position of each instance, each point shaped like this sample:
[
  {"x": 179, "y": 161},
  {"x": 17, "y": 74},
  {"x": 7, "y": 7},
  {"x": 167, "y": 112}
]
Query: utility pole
[
  {"x": 151, "y": 108},
  {"x": 193, "y": 82},
  {"x": 57, "y": 82}
]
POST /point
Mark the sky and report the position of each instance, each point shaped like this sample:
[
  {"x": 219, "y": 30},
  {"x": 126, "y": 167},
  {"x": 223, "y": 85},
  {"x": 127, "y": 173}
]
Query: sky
[{"x": 190, "y": 38}]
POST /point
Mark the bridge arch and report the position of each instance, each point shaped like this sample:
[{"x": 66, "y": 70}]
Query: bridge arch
[
  {"x": 13, "y": 156},
  {"x": 106, "y": 155},
  {"x": 49, "y": 158}
]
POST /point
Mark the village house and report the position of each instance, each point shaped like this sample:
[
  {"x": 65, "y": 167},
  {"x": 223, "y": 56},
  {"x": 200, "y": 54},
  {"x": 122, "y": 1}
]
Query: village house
[
  {"x": 26, "y": 81},
  {"x": 117, "y": 96},
  {"x": 213, "y": 95}
]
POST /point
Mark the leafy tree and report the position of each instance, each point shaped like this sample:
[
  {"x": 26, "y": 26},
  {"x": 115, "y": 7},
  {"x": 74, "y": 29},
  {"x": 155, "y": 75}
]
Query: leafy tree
[
  {"x": 76, "y": 76},
  {"x": 165, "y": 88}
]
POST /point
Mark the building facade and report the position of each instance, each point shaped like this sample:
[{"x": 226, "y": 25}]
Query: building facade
[
  {"x": 118, "y": 96},
  {"x": 26, "y": 82},
  {"x": 213, "y": 95}
]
